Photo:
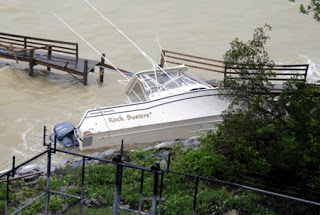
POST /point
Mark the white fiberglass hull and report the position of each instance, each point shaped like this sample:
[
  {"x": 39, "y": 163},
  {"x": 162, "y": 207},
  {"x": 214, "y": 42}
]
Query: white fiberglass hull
[{"x": 174, "y": 117}]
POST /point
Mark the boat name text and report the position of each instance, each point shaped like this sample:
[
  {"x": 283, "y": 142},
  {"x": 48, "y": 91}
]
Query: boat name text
[{"x": 128, "y": 117}]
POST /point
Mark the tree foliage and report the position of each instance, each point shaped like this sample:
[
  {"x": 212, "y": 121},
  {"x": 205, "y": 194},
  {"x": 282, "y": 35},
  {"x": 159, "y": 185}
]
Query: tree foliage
[
  {"x": 276, "y": 136},
  {"x": 312, "y": 7}
]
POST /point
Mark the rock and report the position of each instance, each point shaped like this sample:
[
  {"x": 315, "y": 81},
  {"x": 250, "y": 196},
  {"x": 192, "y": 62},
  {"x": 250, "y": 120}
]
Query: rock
[
  {"x": 95, "y": 202},
  {"x": 186, "y": 149},
  {"x": 31, "y": 178},
  {"x": 192, "y": 141},
  {"x": 44, "y": 169},
  {"x": 96, "y": 155},
  {"x": 28, "y": 169},
  {"x": 125, "y": 206},
  {"x": 148, "y": 149},
  {"x": 166, "y": 145},
  {"x": 66, "y": 161},
  {"x": 163, "y": 164},
  {"x": 232, "y": 212},
  {"x": 162, "y": 155},
  {"x": 101, "y": 200},
  {"x": 107, "y": 154},
  {"x": 78, "y": 163}
]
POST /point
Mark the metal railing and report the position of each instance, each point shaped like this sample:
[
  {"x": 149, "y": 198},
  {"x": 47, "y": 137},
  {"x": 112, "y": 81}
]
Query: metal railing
[{"x": 71, "y": 176}]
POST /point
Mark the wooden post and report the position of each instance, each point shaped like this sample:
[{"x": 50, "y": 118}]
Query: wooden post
[
  {"x": 101, "y": 75},
  {"x": 25, "y": 43},
  {"x": 49, "y": 56},
  {"x": 162, "y": 58},
  {"x": 85, "y": 72},
  {"x": 77, "y": 50},
  {"x": 25, "y": 46},
  {"x": 31, "y": 62}
]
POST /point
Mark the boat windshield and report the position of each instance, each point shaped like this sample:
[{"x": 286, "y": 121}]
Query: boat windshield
[{"x": 157, "y": 84}]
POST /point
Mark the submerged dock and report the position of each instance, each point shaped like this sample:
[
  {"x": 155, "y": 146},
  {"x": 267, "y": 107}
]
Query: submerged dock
[{"x": 60, "y": 55}]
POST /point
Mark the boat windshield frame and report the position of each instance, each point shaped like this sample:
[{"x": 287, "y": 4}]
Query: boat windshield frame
[{"x": 156, "y": 84}]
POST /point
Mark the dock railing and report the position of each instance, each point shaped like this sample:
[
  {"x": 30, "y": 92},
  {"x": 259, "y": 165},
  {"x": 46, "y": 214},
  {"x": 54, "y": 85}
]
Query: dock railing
[
  {"x": 26, "y": 43},
  {"x": 192, "y": 61},
  {"x": 281, "y": 73}
]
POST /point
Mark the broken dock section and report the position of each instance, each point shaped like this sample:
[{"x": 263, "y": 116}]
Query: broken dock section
[{"x": 60, "y": 55}]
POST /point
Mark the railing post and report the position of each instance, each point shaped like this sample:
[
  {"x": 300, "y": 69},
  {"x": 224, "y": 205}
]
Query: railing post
[
  {"x": 13, "y": 165},
  {"x": 48, "y": 180},
  {"x": 118, "y": 184},
  {"x": 306, "y": 73},
  {"x": 25, "y": 43},
  {"x": 44, "y": 135},
  {"x": 101, "y": 75},
  {"x": 85, "y": 72},
  {"x": 161, "y": 189},
  {"x": 156, "y": 168},
  {"x": 77, "y": 50},
  {"x": 141, "y": 188},
  {"x": 225, "y": 73},
  {"x": 31, "y": 62},
  {"x": 196, "y": 192},
  {"x": 82, "y": 184},
  {"x": 7, "y": 195}
]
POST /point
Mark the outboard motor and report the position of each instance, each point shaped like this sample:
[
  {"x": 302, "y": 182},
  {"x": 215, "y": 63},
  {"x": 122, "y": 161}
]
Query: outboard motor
[{"x": 65, "y": 133}]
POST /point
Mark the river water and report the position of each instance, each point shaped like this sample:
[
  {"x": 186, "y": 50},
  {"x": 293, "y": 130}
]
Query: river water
[{"x": 204, "y": 28}]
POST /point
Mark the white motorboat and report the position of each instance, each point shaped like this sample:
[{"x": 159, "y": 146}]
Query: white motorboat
[{"x": 162, "y": 104}]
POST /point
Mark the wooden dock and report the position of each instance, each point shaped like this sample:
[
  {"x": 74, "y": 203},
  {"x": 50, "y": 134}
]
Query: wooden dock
[
  {"x": 60, "y": 55},
  {"x": 281, "y": 73}
]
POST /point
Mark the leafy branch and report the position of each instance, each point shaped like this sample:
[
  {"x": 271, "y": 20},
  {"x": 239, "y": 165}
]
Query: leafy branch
[{"x": 312, "y": 7}]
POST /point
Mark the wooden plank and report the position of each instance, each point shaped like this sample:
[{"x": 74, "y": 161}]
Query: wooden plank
[
  {"x": 22, "y": 176},
  {"x": 192, "y": 56},
  {"x": 36, "y": 38},
  {"x": 196, "y": 67},
  {"x": 193, "y": 61}
]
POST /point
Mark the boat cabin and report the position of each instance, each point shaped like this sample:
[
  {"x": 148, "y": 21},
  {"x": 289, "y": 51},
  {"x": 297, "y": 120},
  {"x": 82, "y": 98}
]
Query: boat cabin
[{"x": 159, "y": 83}]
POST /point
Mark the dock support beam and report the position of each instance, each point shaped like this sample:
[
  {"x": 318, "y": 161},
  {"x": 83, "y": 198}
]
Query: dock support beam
[
  {"x": 85, "y": 72},
  {"x": 49, "y": 56},
  {"x": 101, "y": 69},
  {"x": 31, "y": 62}
]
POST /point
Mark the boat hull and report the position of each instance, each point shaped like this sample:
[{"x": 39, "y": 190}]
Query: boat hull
[{"x": 174, "y": 117}]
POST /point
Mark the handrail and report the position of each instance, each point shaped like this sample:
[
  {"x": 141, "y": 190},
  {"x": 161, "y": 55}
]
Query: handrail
[
  {"x": 26, "y": 42},
  {"x": 231, "y": 70}
]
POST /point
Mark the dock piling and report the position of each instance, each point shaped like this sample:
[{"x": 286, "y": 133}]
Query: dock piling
[
  {"x": 101, "y": 75},
  {"x": 49, "y": 56},
  {"x": 85, "y": 72},
  {"x": 31, "y": 62}
]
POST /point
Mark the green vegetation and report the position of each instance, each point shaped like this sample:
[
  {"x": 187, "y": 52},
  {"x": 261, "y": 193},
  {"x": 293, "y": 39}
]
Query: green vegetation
[
  {"x": 213, "y": 198},
  {"x": 266, "y": 140},
  {"x": 312, "y": 7}
]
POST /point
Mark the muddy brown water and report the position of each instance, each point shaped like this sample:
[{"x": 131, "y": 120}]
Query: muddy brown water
[{"x": 203, "y": 28}]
